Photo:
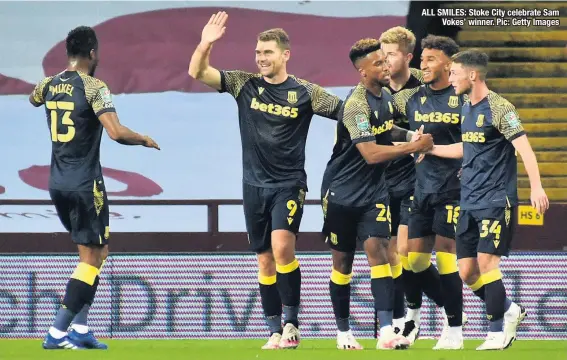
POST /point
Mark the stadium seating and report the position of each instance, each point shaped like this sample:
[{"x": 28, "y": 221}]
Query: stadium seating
[{"x": 529, "y": 68}]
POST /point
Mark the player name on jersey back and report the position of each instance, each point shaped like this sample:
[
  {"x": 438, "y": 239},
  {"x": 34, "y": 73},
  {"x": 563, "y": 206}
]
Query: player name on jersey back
[{"x": 73, "y": 101}]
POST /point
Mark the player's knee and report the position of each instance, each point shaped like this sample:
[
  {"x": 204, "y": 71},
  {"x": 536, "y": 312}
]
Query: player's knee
[
  {"x": 92, "y": 255},
  {"x": 393, "y": 257},
  {"x": 445, "y": 244},
  {"x": 266, "y": 263},
  {"x": 283, "y": 246},
  {"x": 342, "y": 261},
  {"x": 419, "y": 262},
  {"x": 488, "y": 262},
  {"x": 104, "y": 253},
  {"x": 446, "y": 263},
  {"x": 375, "y": 246},
  {"x": 402, "y": 248}
]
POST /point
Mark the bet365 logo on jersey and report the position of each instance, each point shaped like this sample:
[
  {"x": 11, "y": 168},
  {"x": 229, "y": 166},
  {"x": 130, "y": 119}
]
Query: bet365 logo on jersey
[
  {"x": 274, "y": 109},
  {"x": 386, "y": 126},
  {"x": 437, "y": 117},
  {"x": 473, "y": 136}
]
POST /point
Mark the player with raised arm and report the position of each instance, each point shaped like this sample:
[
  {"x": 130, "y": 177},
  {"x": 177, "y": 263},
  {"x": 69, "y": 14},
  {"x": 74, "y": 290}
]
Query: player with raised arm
[
  {"x": 398, "y": 44},
  {"x": 355, "y": 195},
  {"x": 435, "y": 207},
  {"x": 78, "y": 106},
  {"x": 275, "y": 110},
  {"x": 491, "y": 135}
]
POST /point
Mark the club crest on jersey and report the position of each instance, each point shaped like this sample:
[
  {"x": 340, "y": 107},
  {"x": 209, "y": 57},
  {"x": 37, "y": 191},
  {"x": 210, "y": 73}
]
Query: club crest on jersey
[
  {"x": 390, "y": 107},
  {"x": 453, "y": 101},
  {"x": 512, "y": 119},
  {"x": 423, "y": 98},
  {"x": 292, "y": 97},
  {"x": 260, "y": 90},
  {"x": 105, "y": 95},
  {"x": 480, "y": 120},
  {"x": 362, "y": 122},
  {"x": 376, "y": 114}
]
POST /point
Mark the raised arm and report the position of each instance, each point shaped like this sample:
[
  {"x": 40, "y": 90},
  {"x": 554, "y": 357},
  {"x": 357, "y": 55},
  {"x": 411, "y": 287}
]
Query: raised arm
[{"x": 199, "y": 67}]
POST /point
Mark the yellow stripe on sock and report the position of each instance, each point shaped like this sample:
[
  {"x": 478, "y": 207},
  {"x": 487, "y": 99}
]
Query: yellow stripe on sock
[
  {"x": 491, "y": 276},
  {"x": 285, "y": 269},
  {"x": 396, "y": 270},
  {"x": 477, "y": 285},
  {"x": 380, "y": 271},
  {"x": 405, "y": 263},
  {"x": 419, "y": 262},
  {"x": 85, "y": 273},
  {"x": 446, "y": 263},
  {"x": 266, "y": 280},
  {"x": 340, "y": 278}
]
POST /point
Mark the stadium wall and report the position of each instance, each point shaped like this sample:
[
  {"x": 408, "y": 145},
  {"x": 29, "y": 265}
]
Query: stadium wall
[{"x": 215, "y": 296}]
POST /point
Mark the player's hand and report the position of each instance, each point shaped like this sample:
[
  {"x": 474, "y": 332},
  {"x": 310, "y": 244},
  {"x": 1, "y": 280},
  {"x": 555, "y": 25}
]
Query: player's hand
[
  {"x": 150, "y": 143},
  {"x": 424, "y": 143},
  {"x": 416, "y": 135},
  {"x": 215, "y": 28},
  {"x": 539, "y": 200},
  {"x": 420, "y": 157}
]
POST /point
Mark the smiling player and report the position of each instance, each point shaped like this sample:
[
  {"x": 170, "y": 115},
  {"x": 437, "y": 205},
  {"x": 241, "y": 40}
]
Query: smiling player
[{"x": 275, "y": 110}]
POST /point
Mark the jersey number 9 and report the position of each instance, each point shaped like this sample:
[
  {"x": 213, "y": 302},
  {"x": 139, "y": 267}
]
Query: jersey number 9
[{"x": 67, "y": 107}]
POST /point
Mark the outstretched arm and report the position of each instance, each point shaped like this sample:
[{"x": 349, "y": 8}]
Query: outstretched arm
[
  {"x": 100, "y": 100},
  {"x": 452, "y": 151},
  {"x": 123, "y": 135},
  {"x": 199, "y": 67}
]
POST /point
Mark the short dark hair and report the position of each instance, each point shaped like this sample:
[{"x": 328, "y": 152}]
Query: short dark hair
[
  {"x": 363, "y": 47},
  {"x": 278, "y": 35},
  {"x": 443, "y": 43},
  {"x": 80, "y": 41},
  {"x": 474, "y": 58}
]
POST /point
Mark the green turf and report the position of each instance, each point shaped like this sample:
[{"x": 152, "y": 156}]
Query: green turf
[{"x": 250, "y": 349}]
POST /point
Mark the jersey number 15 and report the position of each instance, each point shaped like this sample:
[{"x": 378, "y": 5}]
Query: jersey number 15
[{"x": 56, "y": 107}]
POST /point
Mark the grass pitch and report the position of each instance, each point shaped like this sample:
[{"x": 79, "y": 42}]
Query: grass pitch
[{"x": 250, "y": 350}]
